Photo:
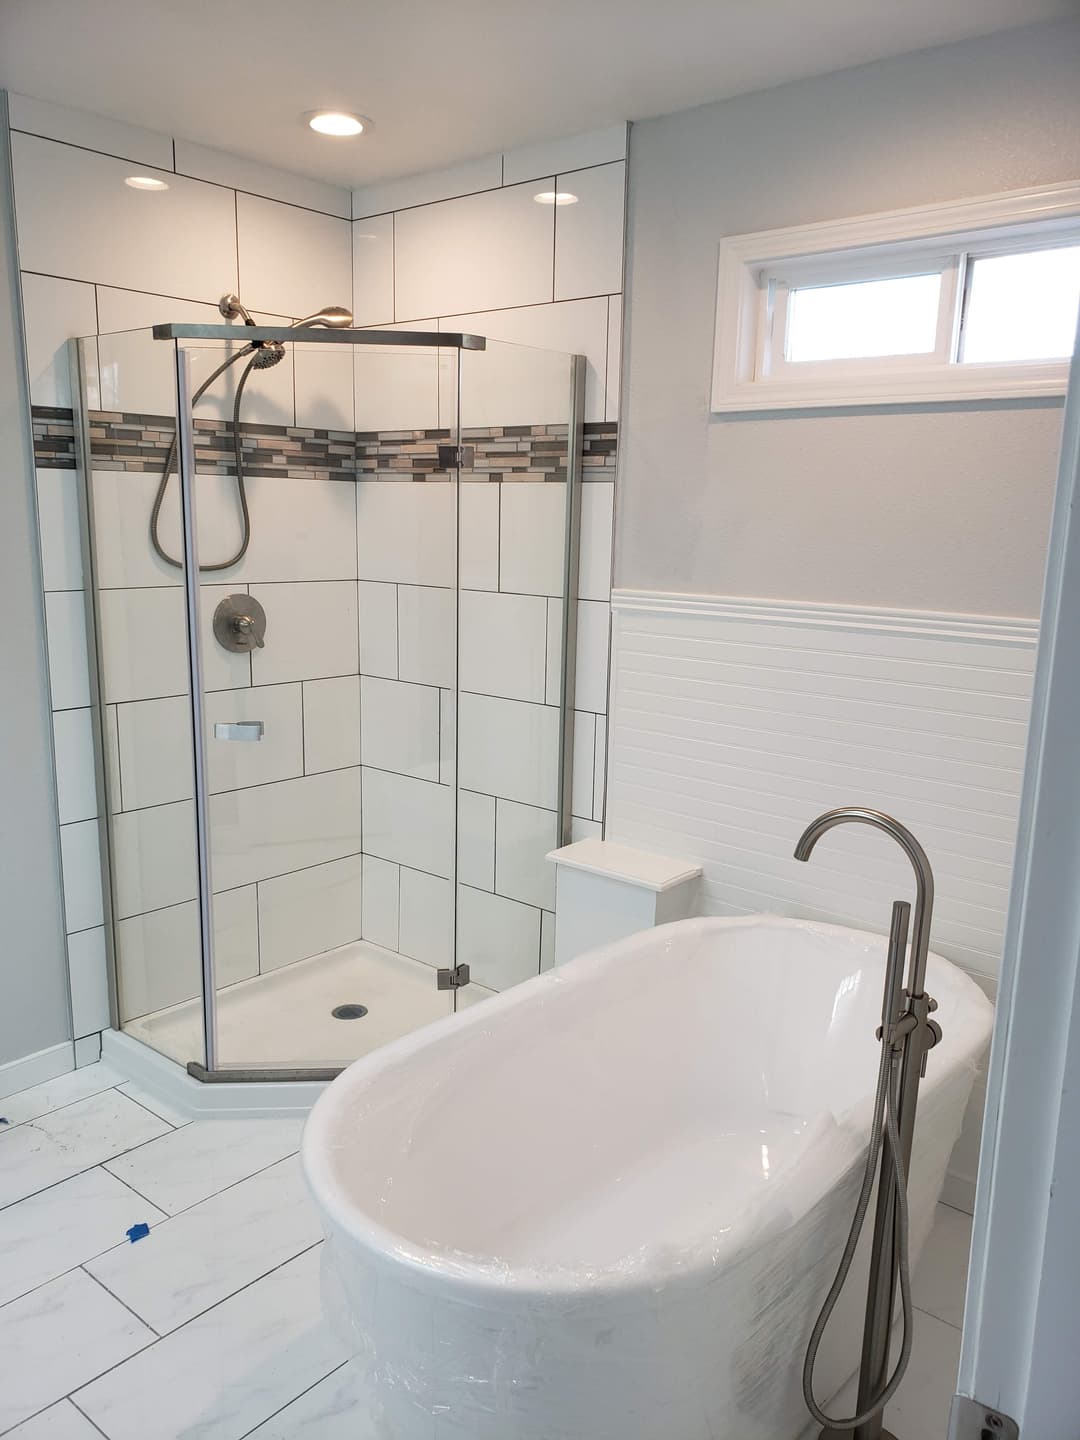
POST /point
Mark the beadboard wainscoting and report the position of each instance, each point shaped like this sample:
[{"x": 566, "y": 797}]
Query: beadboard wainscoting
[{"x": 735, "y": 722}]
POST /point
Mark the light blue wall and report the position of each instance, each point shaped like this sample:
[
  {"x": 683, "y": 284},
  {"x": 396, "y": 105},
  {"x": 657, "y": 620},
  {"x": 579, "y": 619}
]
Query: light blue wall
[{"x": 34, "y": 1012}]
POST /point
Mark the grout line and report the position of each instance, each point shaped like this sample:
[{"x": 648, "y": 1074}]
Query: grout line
[
  {"x": 156, "y": 1333},
  {"x": 72, "y": 1401},
  {"x": 298, "y": 1396}
]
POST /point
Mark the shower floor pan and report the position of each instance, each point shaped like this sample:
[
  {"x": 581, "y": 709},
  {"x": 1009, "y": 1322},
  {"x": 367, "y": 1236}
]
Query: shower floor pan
[{"x": 285, "y": 1019}]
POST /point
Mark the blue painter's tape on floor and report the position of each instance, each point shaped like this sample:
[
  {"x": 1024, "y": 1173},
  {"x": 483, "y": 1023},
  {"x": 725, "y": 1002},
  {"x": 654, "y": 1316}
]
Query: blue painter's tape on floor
[{"x": 138, "y": 1232}]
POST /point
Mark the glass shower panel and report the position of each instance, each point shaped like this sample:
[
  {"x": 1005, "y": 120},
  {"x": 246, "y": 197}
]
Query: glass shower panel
[
  {"x": 329, "y": 668},
  {"x": 516, "y": 506},
  {"x": 141, "y": 680}
]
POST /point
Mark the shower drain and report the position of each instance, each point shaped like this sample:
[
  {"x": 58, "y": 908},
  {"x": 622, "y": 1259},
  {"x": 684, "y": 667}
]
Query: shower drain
[{"x": 349, "y": 1012}]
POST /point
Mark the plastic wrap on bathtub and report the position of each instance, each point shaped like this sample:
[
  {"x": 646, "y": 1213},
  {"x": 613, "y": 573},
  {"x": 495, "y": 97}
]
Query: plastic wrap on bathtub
[
  {"x": 701, "y": 1340},
  {"x": 712, "y": 1353}
]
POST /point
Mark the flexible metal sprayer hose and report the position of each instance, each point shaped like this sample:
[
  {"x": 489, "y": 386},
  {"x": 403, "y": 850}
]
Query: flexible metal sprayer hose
[
  {"x": 885, "y": 1129},
  {"x": 241, "y": 492}
]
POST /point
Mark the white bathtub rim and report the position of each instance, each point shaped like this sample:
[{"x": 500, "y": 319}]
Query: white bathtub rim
[{"x": 484, "y": 1278}]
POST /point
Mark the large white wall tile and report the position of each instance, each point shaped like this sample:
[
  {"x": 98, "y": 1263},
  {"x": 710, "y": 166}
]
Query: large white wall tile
[
  {"x": 69, "y": 666},
  {"x": 143, "y": 643},
  {"x": 503, "y": 642},
  {"x": 154, "y": 743},
  {"x": 154, "y": 751},
  {"x": 324, "y": 386},
  {"x": 92, "y": 132},
  {"x": 73, "y": 745},
  {"x": 159, "y": 958},
  {"x": 478, "y": 554},
  {"x": 524, "y": 835},
  {"x": 614, "y": 357},
  {"x": 405, "y": 531},
  {"x": 88, "y": 974},
  {"x": 380, "y": 902},
  {"x": 292, "y": 261},
  {"x": 400, "y": 727},
  {"x": 555, "y": 157},
  {"x": 202, "y": 163},
  {"x": 481, "y": 252},
  {"x": 279, "y": 755},
  {"x": 554, "y": 676},
  {"x": 78, "y": 219},
  {"x": 447, "y": 737},
  {"x": 310, "y": 911},
  {"x": 589, "y": 235},
  {"x": 584, "y": 760},
  {"x": 498, "y": 939},
  {"x": 509, "y": 748},
  {"x": 507, "y": 384},
  {"x": 55, "y": 311},
  {"x": 273, "y": 829},
  {"x": 331, "y": 724},
  {"x": 532, "y": 538},
  {"x": 311, "y": 632},
  {"x": 408, "y": 821},
  {"x": 600, "y": 768},
  {"x": 378, "y": 628},
  {"x": 58, "y": 520},
  {"x": 426, "y": 640},
  {"x": 397, "y": 387},
  {"x": 593, "y": 629},
  {"x": 476, "y": 839},
  {"x": 373, "y": 271},
  {"x": 153, "y": 854},
  {"x": 80, "y": 856},
  {"x": 597, "y": 530},
  {"x": 427, "y": 917},
  {"x": 464, "y": 179}
]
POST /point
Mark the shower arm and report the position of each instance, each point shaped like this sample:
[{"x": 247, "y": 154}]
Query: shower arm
[{"x": 908, "y": 1034}]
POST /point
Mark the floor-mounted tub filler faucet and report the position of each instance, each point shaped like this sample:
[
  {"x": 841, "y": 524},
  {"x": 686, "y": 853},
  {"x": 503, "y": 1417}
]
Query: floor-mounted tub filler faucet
[{"x": 907, "y": 1034}]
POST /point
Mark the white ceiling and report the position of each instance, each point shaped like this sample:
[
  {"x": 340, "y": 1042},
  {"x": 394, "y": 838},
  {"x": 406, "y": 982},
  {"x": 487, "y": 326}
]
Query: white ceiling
[{"x": 445, "y": 82}]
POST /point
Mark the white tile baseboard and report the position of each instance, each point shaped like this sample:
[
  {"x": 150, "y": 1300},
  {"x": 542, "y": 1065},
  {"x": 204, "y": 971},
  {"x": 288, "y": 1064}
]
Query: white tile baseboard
[{"x": 35, "y": 1069}]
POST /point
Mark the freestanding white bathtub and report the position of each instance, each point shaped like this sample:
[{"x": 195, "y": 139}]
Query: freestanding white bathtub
[{"x": 606, "y": 1204}]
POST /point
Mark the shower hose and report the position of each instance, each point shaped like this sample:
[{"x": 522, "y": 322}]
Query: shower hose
[
  {"x": 241, "y": 493},
  {"x": 885, "y": 1130}
]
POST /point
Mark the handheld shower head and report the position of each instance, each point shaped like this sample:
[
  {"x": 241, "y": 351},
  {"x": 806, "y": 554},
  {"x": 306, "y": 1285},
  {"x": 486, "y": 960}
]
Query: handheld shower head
[{"x": 331, "y": 317}]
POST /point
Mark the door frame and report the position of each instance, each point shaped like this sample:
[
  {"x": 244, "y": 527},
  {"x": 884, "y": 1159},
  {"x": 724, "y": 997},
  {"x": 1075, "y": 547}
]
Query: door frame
[{"x": 1022, "y": 1314}]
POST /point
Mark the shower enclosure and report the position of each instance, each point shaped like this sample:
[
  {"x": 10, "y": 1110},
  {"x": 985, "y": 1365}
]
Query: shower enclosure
[{"x": 334, "y": 680}]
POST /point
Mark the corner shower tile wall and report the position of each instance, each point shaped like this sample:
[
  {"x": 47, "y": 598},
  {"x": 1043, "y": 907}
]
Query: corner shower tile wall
[
  {"x": 471, "y": 249},
  {"x": 98, "y": 256}
]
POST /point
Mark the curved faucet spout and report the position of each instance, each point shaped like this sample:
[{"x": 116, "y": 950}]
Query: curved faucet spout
[{"x": 924, "y": 876}]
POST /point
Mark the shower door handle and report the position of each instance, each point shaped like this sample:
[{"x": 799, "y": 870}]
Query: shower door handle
[{"x": 238, "y": 730}]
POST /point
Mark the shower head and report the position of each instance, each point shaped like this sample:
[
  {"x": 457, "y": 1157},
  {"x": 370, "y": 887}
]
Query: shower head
[
  {"x": 331, "y": 317},
  {"x": 268, "y": 353}
]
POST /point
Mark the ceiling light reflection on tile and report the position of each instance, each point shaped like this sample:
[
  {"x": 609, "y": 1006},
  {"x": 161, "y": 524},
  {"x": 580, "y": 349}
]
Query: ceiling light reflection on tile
[
  {"x": 146, "y": 182},
  {"x": 555, "y": 197}
]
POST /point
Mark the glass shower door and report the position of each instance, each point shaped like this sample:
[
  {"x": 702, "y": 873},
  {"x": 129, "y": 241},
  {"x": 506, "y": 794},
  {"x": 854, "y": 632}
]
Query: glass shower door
[
  {"x": 328, "y": 663},
  {"x": 521, "y": 415}
]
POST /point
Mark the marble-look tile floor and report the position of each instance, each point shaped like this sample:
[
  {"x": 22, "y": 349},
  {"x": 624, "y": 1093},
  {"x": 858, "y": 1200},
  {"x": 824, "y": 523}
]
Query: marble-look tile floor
[{"x": 210, "y": 1328}]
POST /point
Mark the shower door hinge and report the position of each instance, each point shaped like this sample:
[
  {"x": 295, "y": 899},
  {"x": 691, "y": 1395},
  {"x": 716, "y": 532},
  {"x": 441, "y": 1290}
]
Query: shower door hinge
[
  {"x": 971, "y": 1420},
  {"x": 453, "y": 979},
  {"x": 455, "y": 457}
]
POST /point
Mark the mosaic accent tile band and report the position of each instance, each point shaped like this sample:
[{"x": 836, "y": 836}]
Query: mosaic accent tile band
[{"x": 496, "y": 453}]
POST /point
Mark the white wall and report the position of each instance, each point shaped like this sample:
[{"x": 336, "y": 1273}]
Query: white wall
[
  {"x": 33, "y": 983},
  {"x": 937, "y": 508}
]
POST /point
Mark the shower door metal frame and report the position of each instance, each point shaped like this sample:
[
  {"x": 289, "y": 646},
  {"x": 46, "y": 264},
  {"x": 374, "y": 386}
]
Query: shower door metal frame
[{"x": 211, "y": 1071}]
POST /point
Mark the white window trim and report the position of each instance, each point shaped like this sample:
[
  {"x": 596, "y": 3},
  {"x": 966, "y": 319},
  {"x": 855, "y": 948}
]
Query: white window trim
[{"x": 1040, "y": 216}]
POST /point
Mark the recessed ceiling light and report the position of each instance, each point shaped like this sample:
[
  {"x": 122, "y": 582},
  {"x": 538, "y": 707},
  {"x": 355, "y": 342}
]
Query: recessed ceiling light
[
  {"x": 146, "y": 182},
  {"x": 338, "y": 122},
  {"x": 555, "y": 197}
]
